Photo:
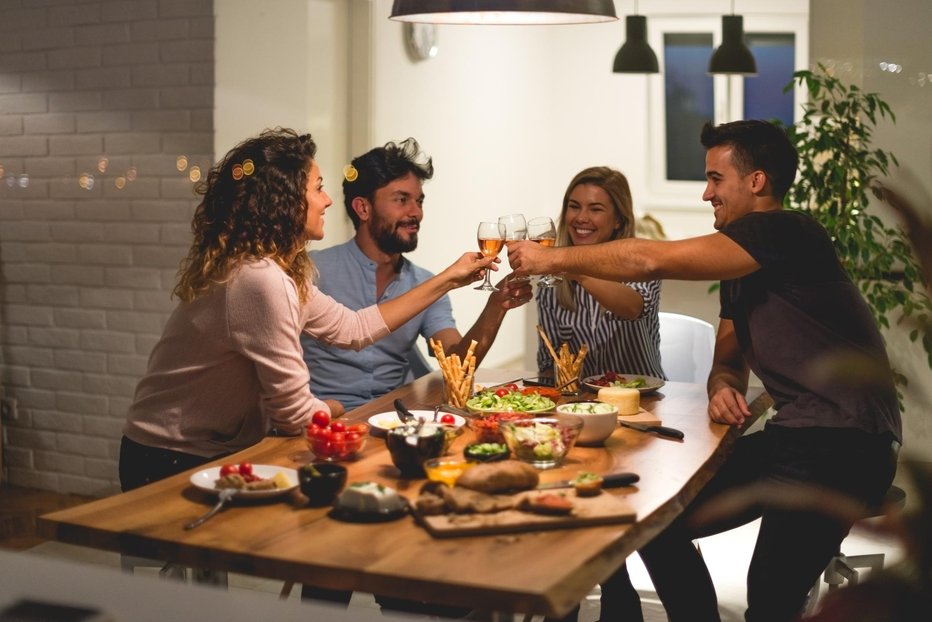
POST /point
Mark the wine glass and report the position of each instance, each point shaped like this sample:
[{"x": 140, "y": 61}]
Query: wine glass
[
  {"x": 515, "y": 229},
  {"x": 491, "y": 236},
  {"x": 544, "y": 232}
]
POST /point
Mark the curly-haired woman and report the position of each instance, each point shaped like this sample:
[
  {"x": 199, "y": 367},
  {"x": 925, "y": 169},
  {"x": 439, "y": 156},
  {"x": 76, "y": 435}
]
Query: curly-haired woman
[{"x": 228, "y": 367}]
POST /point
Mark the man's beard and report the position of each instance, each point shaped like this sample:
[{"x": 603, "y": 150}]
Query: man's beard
[{"x": 390, "y": 241}]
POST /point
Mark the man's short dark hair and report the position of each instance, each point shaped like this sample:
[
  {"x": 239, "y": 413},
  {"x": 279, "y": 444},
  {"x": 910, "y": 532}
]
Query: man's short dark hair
[
  {"x": 757, "y": 145},
  {"x": 380, "y": 166}
]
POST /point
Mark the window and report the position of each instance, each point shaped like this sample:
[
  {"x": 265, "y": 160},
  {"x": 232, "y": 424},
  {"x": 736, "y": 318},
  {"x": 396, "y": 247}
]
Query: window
[{"x": 685, "y": 96}]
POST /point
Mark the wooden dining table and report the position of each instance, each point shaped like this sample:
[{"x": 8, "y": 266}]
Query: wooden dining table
[{"x": 540, "y": 572}]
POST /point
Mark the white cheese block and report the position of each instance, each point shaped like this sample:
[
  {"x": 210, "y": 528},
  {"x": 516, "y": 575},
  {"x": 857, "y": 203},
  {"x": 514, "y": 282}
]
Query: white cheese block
[
  {"x": 370, "y": 497},
  {"x": 628, "y": 401}
]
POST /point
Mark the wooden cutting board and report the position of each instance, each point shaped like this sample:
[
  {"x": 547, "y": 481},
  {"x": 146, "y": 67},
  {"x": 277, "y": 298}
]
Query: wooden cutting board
[
  {"x": 603, "y": 509},
  {"x": 642, "y": 416}
]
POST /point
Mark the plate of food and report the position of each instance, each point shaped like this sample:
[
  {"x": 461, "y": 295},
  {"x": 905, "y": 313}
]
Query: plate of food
[
  {"x": 380, "y": 424},
  {"x": 369, "y": 502},
  {"x": 644, "y": 384},
  {"x": 252, "y": 481},
  {"x": 507, "y": 400}
]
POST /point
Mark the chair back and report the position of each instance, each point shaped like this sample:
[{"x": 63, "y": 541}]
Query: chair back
[{"x": 686, "y": 347}]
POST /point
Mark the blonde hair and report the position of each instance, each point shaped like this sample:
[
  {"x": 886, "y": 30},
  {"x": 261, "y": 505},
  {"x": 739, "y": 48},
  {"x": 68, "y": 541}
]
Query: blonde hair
[
  {"x": 615, "y": 185},
  {"x": 254, "y": 206}
]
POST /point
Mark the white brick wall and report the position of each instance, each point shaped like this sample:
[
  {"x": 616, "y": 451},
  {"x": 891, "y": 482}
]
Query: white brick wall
[{"x": 86, "y": 272}]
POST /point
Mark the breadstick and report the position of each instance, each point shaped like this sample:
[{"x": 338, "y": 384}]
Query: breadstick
[{"x": 547, "y": 343}]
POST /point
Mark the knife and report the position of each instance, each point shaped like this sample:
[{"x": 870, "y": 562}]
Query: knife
[
  {"x": 612, "y": 480},
  {"x": 662, "y": 430}
]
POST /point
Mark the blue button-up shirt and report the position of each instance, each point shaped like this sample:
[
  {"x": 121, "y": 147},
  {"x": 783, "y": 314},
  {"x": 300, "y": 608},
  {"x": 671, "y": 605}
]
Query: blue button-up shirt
[{"x": 354, "y": 378}]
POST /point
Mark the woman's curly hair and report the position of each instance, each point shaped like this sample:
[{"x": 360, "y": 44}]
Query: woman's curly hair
[{"x": 254, "y": 206}]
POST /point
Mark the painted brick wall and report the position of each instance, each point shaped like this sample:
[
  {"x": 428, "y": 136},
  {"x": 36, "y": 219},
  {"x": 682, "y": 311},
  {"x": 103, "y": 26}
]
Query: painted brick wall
[{"x": 106, "y": 116}]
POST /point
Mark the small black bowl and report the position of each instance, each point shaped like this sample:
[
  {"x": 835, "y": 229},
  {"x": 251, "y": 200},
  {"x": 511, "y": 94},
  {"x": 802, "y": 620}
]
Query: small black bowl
[
  {"x": 321, "y": 482},
  {"x": 410, "y": 445},
  {"x": 486, "y": 452}
]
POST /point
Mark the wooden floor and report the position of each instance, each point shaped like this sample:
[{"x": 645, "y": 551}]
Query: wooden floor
[{"x": 19, "y": 508}]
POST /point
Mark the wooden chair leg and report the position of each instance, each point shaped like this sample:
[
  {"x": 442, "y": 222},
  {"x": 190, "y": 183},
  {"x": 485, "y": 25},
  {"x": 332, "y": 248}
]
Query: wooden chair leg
[{"x": 286, "y": 590}]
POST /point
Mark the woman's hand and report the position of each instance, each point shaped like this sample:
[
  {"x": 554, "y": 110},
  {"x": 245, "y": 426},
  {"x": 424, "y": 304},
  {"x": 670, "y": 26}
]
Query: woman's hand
[
  {"x": 336, "y": 408},
  {"x": 469, "y": 268}
]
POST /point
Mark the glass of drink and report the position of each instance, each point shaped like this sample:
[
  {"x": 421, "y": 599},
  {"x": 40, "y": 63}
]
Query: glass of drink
[
  {"x": 491, "y": 236},
  {"x": 515, "y": 229},
  {"x": 544, "y": 232}
]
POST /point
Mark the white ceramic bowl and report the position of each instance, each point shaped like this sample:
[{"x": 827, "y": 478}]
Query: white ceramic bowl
[{"x": 599, "y": 420}]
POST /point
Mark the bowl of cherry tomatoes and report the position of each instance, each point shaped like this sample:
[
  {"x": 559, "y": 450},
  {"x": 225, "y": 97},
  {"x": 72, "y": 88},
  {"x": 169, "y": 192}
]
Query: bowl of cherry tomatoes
[{"x": 335, "y": 440}]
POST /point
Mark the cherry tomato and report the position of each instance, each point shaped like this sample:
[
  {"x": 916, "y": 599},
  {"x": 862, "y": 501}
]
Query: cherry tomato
[
  {"x": 358, "y": 428},
  {"x": 502, "y": 392},
  {"x": 511, "y": 386},
  {"x": 448, "y": 418},
  {"x": 321, "y": 418},
  {"x": 245, "y": 469},
  {"x": 338, "y": 426},
  {"x": 228, "y": 469}
]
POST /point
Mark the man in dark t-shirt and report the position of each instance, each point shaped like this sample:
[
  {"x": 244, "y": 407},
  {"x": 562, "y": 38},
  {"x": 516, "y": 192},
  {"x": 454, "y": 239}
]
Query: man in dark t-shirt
[{"x": 790, "y": 314}]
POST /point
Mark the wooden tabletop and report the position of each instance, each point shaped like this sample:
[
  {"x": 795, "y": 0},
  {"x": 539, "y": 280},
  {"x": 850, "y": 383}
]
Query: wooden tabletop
[{"x": 542, "y": 572}]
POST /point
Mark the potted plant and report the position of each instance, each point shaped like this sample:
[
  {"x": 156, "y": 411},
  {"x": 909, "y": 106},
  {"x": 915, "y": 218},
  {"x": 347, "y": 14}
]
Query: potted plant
[{"x": 837, "y": 166}]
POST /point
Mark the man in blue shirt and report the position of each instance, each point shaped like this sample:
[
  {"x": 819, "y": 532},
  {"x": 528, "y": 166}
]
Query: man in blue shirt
[{"x": 384, "y": 198}]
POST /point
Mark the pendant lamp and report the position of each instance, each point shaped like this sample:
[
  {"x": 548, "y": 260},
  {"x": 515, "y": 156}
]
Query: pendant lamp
[
  {"x": 512, "y": 12},
  {"x": 636, "y": 55},
  {"x": 733, "y": 56}
]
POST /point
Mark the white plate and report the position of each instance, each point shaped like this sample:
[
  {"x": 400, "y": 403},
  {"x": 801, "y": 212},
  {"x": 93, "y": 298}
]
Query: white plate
[
  {"x": 206, "y": 479},
  {"x": 381, "y": 423},
  {"x": 652, "y": 383}
]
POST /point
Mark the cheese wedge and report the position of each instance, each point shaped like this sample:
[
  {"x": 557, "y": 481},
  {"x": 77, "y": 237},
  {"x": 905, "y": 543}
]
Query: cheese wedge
[{"x": 628, "y": 401}]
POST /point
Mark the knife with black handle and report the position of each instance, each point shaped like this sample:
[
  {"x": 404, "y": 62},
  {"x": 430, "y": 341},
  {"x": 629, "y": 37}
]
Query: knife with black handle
[
  {"x": 662, "y": 430},
  {"x": 612, "y": 480}
]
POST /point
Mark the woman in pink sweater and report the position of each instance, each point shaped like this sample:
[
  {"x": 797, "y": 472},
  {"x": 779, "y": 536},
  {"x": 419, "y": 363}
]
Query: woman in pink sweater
[{"x": 228, "y": 367}]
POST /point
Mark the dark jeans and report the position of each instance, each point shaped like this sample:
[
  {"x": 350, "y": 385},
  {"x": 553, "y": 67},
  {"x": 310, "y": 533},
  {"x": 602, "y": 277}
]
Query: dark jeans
[
  {"x": 620, "y": 601},
  {"x": 387, "y": 604},
  {"x": 793, "y": 546},
  {"x": 141, "y": 464}
]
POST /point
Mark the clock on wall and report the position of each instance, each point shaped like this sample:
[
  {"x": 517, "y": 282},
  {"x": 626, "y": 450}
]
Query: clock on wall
[{"x": 421, "y": 40}]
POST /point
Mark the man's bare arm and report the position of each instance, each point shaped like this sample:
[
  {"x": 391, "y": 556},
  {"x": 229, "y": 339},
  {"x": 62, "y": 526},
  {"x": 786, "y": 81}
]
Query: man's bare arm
[{"x": 728, "y": 379}]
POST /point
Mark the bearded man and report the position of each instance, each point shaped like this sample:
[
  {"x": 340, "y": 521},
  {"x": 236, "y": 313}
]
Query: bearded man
[{"x": 383, "y": 196}]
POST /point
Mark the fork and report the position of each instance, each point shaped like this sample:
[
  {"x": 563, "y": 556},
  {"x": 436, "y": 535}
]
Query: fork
[{"x": 225, "y": 495}]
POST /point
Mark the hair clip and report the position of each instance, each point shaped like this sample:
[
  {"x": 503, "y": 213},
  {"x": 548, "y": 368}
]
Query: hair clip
[
  {"x": 247, "y": 168},
  {"x": 350, "y": 173}
]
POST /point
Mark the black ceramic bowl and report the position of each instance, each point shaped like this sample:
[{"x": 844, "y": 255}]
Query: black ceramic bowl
[
  {"x": 321, "y": 482},
  {"x": 486, "y": 452},
  {"x": 411, "y": 445}
]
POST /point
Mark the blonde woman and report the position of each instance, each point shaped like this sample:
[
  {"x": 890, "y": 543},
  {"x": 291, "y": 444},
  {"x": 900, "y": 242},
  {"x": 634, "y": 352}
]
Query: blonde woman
[
  {"x": 228, "y": 368},
  {"x": 618, "y": 320}
]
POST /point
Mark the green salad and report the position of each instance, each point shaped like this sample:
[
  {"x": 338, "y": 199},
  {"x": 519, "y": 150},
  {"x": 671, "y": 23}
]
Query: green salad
[{"x": 511, "y": 401}]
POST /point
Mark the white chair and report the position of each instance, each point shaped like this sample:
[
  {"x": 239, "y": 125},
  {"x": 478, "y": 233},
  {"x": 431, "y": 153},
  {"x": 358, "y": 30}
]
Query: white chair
[{"x": 686, "y": 347}]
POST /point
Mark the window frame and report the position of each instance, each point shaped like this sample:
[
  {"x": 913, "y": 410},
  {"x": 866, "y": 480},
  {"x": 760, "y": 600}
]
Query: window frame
[{"x": 728, "y": 96}]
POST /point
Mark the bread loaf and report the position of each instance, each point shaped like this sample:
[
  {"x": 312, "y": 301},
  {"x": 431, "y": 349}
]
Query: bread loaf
[
  {"x": 495, "y": 477},
  {"x": 628, "y": 401}
]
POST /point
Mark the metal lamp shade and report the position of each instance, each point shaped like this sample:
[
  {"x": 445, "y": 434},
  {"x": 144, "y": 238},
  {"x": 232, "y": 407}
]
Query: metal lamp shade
[
  {"x": 504, "y": 11},
  {"x": 733, "y": 56},
  {"x": 636, "y": 55}
]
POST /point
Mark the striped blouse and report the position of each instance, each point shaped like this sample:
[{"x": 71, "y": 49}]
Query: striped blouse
[{"x": 623, "y": 346}]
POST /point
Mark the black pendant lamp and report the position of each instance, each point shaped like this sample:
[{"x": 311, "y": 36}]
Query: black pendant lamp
[
  {"x": 733, "y": 56},
  {"x": 512, "y": 12},
  {"x": 636, "y": 55}
]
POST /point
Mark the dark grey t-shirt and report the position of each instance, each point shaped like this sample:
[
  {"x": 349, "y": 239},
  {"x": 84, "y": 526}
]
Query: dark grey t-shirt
[{"x": 806, "y": 331}]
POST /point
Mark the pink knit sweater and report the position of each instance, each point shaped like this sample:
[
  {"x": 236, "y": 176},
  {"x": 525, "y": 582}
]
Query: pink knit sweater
[{"x": 229, "y": 364}]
